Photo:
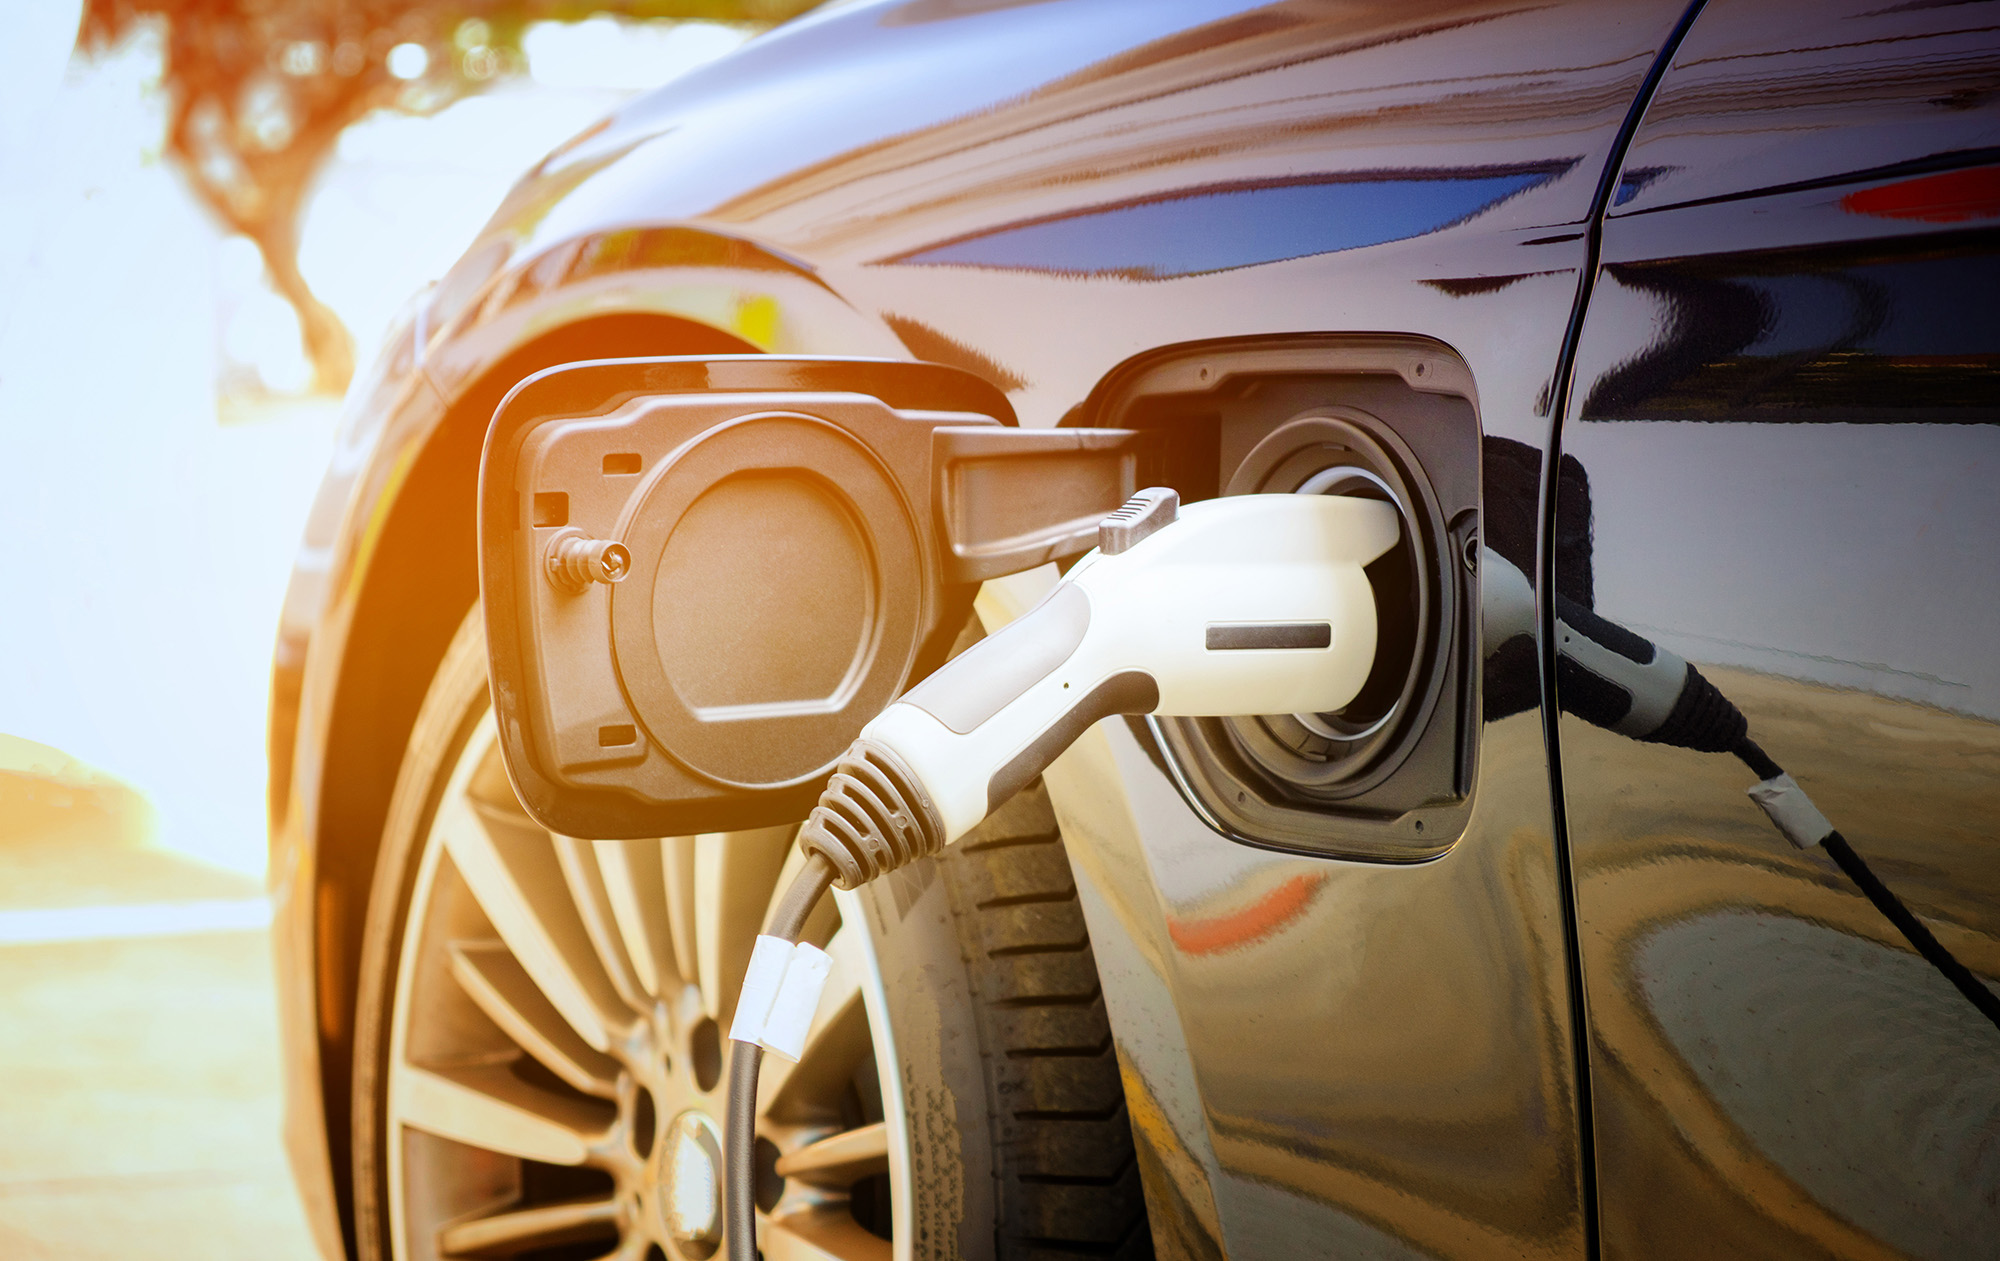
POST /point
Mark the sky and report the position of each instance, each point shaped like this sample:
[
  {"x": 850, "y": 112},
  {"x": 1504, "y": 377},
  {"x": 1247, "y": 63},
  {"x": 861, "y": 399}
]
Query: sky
[{"x": 149, "y": 530}]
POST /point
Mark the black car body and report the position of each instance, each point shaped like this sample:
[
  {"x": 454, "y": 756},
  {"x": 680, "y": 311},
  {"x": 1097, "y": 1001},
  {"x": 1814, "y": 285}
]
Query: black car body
[{"x": 1711, "y": 292}]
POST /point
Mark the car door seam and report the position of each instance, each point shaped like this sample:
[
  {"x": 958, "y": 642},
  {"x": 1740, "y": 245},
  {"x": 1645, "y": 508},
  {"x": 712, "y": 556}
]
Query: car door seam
[{"x": 1559, "y": 403}]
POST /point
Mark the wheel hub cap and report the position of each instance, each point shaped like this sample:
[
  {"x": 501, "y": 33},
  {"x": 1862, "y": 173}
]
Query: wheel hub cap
[{"x": 691, "y": 1183}]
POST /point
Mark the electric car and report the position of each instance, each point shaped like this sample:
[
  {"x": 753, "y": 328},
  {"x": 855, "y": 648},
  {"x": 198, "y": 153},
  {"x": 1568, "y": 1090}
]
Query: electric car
[{"x": 1670, "y": 329}]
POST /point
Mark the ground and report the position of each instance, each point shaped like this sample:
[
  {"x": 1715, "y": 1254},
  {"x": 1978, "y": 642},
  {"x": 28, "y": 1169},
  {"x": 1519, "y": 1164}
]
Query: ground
[{"x": 141, "y": 1081}]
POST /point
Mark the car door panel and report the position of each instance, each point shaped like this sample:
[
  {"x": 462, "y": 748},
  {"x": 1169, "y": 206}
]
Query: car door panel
[{"x": 1785, "y": 422}]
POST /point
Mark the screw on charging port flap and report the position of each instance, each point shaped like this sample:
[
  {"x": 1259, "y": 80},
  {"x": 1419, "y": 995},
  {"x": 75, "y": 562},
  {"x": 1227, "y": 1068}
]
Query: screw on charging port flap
[{"x": 703, "y": 576}]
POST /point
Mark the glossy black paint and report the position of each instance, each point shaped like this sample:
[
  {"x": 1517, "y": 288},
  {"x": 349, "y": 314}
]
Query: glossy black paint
[
  {"x": 1193, "y": 230},
  {"x": 1876, "y": 332},
  {"x": 1326, "y": 1057},
  {"x": 1785, "y": 442}
]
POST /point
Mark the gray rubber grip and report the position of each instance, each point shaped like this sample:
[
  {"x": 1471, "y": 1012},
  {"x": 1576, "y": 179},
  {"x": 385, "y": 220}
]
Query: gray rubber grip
[
  {"x": 982, "y": 680},
  {"x": 1127, "y": 692}
]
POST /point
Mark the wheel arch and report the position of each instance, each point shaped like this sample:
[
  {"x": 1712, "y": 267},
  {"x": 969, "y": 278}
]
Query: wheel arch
[{"x": 419, "y": 577}]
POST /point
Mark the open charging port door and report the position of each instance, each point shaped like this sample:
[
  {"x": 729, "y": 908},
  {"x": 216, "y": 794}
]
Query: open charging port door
[{"x": 702, "y": 576}]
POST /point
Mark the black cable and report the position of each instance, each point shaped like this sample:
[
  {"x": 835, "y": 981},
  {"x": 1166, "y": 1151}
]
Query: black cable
[
  {"x": 739, "y": 1122},
  {"x": 1757, "y": 760},
  {"x": 1913, "y": 929}
]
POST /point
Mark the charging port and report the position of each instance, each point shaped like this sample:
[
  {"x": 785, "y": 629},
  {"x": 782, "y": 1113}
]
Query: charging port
[{"x": 1388, "y": 776}]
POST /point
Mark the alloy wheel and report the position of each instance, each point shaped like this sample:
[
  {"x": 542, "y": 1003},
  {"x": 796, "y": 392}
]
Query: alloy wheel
[{"x": 557, "y": 1048}]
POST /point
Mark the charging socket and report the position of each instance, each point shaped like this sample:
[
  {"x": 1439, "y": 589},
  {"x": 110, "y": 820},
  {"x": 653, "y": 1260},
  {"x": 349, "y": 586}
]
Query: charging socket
[{"x": 1389, "y": 777}]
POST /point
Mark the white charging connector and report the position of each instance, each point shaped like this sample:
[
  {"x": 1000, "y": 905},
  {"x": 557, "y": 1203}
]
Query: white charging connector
[{"x": 1252, "y": 604}]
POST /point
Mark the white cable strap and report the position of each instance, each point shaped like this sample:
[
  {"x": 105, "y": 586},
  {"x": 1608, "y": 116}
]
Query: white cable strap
[
  {"x": 780, "y": 993},
  {"x": 1792, "y": 811},
  {"x": 760, "y": 988},
  {"x": 798, "y": 998}
]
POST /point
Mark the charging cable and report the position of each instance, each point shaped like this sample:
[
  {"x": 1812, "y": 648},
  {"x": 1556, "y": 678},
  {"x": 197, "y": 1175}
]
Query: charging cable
[
  {"x": 1613, "y": 678},
  {"x": 753, "y": 1011}
]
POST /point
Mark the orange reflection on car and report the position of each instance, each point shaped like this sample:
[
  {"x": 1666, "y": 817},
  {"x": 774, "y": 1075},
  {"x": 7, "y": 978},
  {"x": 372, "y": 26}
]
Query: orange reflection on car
[{"x": 1262, "y": 918}]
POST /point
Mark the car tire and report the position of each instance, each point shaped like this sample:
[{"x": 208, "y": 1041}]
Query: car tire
[
  {"x": 539, "y": 1065},
  {"x": 1068, "y": 1178}
]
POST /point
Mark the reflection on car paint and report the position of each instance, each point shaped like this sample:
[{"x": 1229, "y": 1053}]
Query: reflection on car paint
[
  {"x": 1801, "y": 551},
  {"x": 631, "y": 249},
  {"x": 1190, "y": 231},
  {"x": 1764, "y": 1042},
  {"x": 1884, "y": 333},
  {"x": 1789, "y": 382},
  {"x": 1767, "y": 96},
  {"x": 1953, "y": 197},
  {"x": 1254, "y": 922},
  {"x": 1721, "y": 960}
]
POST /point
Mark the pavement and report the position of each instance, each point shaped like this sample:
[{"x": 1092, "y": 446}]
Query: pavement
[{"x": 139, "y": 1078}]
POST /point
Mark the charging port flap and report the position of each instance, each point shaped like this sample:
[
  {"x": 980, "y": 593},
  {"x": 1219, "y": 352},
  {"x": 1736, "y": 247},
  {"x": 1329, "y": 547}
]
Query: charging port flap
[{"x": 702, "y": 576}]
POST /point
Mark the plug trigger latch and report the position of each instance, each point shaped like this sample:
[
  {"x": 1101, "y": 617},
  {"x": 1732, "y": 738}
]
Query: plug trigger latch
[{"x": 1143, "y": 514}]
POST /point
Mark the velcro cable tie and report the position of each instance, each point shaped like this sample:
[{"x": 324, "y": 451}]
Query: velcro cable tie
[
  {"x": 1792, "y": 811},
  {"x": 781, "y": 990}
]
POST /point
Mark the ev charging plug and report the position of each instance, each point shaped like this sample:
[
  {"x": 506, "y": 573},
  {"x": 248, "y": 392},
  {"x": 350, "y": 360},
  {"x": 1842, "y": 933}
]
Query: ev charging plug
[{"x": 1250, "y": 604}]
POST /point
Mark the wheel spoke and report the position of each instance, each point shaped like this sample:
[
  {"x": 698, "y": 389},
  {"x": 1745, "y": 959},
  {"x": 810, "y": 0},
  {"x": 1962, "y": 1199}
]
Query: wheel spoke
[
  {"x": 842, "y": 1160},
  {"x": 490, "y": 975},
  {"x": 821, "y": 1232},
  {"x": 518, "y": 1230},
  {"x": 593, "y": 906},
  {"x": 514, "y": 874},
  {"x": 488, "y": 1106},
  {"x": 836, "y": 1042},
  {"x": 733, "y": 876},
  {"x": 677, "y": 872},
  {"x": 635, "y": 883}
]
